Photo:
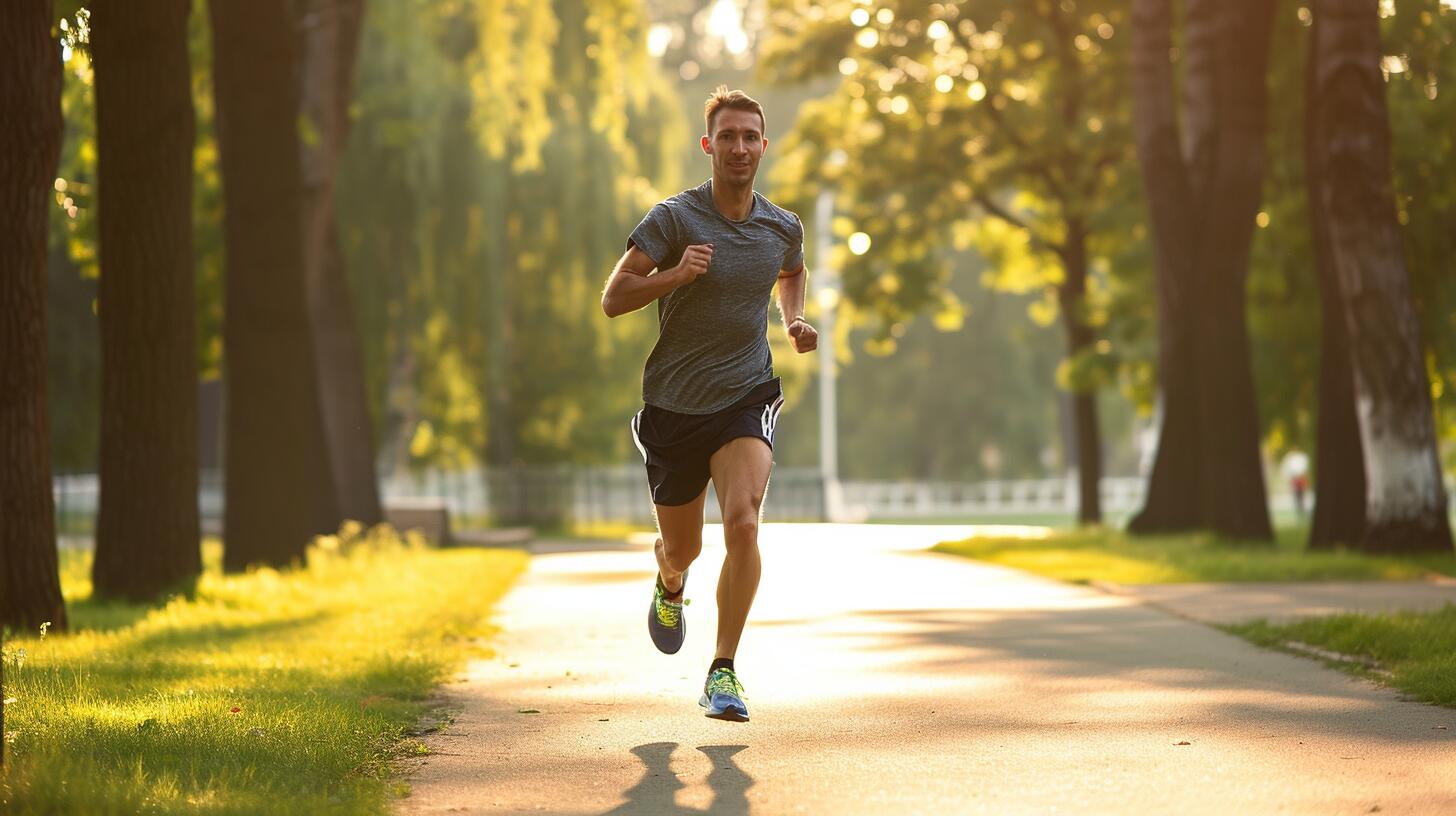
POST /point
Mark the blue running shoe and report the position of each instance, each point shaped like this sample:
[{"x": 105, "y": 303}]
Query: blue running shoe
[
  {"x": 723, "y": 697},
  {"x": 665, "y": 619}
]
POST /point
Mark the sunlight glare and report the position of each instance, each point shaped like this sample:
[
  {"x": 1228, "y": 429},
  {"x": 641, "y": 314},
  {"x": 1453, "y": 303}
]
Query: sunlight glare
[
  {"x": 726, "y": 22},
  {"x": 658, "y": 39}
]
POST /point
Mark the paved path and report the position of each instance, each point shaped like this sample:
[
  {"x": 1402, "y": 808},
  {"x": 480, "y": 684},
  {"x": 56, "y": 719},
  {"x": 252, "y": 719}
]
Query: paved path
[{"x": 883, "y": 679}]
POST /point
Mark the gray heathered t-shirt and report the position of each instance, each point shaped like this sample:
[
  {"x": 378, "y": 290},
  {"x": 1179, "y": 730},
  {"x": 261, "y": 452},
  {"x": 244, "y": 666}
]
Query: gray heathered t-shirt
[{"x": 712, "y": 343}]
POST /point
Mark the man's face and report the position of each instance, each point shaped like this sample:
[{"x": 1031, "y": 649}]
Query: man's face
[{"x": 736, "y": 145}]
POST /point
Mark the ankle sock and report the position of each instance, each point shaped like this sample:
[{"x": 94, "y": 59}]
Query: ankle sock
[{"x": 721, "y": 663}]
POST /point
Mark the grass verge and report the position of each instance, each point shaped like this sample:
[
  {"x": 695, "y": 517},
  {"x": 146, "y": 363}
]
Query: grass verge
[
  {"x": 1101, "y": 554},
  {"x": 268, "y": 692},
  {"x": 1412, "y": 651}
]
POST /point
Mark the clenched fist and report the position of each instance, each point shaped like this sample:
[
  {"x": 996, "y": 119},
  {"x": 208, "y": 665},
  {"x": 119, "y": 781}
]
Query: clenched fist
[
  {"x": 694, "y": 263},
  {"x": 803, "y": 336}
]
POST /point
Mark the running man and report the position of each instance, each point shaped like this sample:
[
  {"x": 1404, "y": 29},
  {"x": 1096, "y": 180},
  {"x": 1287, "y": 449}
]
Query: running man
[{"x": 711, "y": 397}]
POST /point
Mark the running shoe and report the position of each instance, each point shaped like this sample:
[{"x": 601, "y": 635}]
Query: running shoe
[
  {"x": 665, "y": 619},
  {"x": 723, "y": 697}
]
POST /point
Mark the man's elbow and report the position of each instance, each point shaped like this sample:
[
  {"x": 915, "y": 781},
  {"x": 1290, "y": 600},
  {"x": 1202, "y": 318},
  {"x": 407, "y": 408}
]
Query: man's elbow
[{"x": 611, "y": 307}]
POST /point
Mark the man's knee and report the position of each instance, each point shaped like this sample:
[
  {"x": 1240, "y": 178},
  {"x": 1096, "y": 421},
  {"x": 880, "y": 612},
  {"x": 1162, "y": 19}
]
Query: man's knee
[{"x": 740, "y": 525}]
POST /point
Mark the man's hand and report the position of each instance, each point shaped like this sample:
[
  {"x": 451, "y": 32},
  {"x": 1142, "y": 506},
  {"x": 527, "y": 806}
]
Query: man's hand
[
  {"x": 802, "y": 335},
  {"x": 694, "y": 263}
]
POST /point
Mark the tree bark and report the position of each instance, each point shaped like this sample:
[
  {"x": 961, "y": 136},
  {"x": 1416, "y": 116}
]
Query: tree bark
[
  {"x": 1072, "y": 300},
  {"x": 147, "y": 526},
  {"x": 1339, "y": 477},
  {"x": 1202, "y": 200},
  {"x": 1405, "y": 507},
  {"x": 328, "y": 36},
  {"x": 30, "y": 143},
  {"x": 279, "y": 492},
  {"x": 1175, "y": 481}
]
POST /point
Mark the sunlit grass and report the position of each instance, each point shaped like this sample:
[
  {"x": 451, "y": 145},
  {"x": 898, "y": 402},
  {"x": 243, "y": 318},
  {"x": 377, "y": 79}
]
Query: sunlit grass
[
  {"x": 1418, "y": 649},
  {"x": 270, "y": 692},
  {"x": 1101, "y": 554}
]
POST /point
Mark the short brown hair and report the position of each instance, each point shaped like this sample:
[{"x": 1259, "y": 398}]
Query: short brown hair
[{"x": 721, "y": 98}]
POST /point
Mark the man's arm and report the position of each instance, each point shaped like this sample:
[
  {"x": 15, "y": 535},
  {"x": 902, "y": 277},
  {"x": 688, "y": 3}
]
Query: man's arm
[
  {"x": 791, "y": 306},
  {"x": 633, "y": 285}
]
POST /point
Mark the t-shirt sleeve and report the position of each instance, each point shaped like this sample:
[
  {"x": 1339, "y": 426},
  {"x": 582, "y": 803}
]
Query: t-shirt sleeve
[
  {"x": 794, "y": 258},
  {"x": 656, "y": 235}
]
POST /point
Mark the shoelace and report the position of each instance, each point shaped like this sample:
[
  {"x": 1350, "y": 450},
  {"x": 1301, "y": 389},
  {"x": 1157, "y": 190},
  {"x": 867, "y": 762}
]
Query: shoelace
[
  {"x": 668, "y": 612},
  {"x": 724, "y": 681}
]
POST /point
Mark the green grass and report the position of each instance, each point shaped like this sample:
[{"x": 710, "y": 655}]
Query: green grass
[
  {"x": 270, "y": 692},
  {"x": 1417, "y": 649},
  {"x": 1101, "y": 554}
]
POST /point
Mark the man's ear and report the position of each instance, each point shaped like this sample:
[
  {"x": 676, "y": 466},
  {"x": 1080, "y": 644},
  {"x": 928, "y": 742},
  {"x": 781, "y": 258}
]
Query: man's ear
[
  {"x": 764, "y": 142},
  {"x": 707, "y": 146}
]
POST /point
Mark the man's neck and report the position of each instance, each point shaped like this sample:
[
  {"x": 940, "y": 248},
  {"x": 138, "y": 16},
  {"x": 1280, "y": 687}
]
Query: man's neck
[{"x": 734, "y": 202}]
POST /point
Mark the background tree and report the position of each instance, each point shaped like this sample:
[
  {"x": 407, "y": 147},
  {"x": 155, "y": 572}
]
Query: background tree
[
  {"x": 995, "y": 125},
  {"x": 30, "y": 140},
  {"x": 279, "y": 491},
  {"x": 328, "y": 42},
  {"x": 147, "y": 528},
  {"x": 1203, "y": 195},
  {"x": 1406, "y": 502}
]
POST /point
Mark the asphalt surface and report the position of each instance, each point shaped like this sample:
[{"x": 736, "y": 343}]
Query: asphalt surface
[{"x": 884, "y": 679}]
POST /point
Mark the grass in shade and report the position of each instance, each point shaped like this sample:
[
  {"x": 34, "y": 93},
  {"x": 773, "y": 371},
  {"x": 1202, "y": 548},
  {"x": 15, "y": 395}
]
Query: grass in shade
[
  {"x": 1412, "y": 651},
  {"x": 1101, "y": 554},
  {"x": 287, "y": 692}
]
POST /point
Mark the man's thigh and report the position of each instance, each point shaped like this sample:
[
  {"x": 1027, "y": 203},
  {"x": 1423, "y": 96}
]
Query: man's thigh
[
  {"x": 681, "y": 525},
  {"x": 740, "y": 471}
]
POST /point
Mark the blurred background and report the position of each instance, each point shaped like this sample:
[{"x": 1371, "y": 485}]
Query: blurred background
[{"x": 979, "y": 234}]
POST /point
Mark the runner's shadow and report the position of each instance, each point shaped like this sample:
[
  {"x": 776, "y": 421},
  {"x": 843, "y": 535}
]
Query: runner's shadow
[{"x": 655, "y": 791}]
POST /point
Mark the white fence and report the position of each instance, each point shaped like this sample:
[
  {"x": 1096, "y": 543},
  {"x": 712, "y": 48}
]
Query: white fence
[{"x": 550, "y": 495}]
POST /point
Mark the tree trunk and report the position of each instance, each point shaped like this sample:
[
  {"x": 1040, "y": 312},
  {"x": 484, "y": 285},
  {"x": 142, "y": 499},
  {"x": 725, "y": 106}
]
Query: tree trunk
[
  {"x": 147, "y": 525},
  {"x": 1227, "y": 115},
  {"x": 1175, "y": 481},
  {"x": 328, "y": 37},
  {"x": 1202, "y": 199},
  {"x": 30, "y": 143},
  {"x": 1405, "y": 508},
  {"x": 279, "y": 492},
  {"x": 1339, "y": 477},
  {"x": 1072, "y": 299}
]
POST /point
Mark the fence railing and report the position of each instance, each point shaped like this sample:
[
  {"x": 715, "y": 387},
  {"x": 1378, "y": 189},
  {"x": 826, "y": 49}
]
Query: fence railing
[{"x": 558, "y": 495}]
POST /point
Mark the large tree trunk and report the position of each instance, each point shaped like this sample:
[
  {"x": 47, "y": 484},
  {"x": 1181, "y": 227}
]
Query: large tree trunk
[
  {"x": 1175, "y": 482},
  {"x": 1405, "y": 505},
  {"x": 1339, "y": 477},
  {"x": 30, "y": 144},
  {"x": 1202, "y": 201},
  {"x": 1088, "y": 437},
  {"x": 328, "y": 37},
  {"x": 147, "y": 526},
  {"x": 279, "y": 492}
]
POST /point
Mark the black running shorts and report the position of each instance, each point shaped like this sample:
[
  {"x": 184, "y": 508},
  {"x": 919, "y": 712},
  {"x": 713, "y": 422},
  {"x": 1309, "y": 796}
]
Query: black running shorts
[{"x": 676, "y": 447}]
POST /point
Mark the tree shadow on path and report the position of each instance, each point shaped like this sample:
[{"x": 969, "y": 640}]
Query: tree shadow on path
[{"x": 656, "y": 791}]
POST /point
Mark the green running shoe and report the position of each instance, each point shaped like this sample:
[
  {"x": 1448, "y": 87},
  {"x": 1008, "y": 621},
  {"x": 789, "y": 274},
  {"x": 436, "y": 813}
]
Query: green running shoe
[
  {"x": 723, "y": 697},
  {"x": 665, "y": 619}
]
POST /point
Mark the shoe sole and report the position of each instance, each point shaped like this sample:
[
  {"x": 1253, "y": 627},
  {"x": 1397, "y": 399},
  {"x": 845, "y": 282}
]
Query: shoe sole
[
  {"x": 729, "y": 714},
  {"x": 653, "y": 627}
]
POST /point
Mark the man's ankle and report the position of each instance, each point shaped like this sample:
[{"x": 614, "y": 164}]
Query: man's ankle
[{"x": 670, "y": 594}]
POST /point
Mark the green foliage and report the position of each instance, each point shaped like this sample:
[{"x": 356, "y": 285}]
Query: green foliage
[
  {"x": 944, "y": 110},
  {"x": 1085, "y": 555},
  {"x": 489, "y": 187},
  {"x": 278, "y": 692},
  {"x": 1414, "y": 651}
]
